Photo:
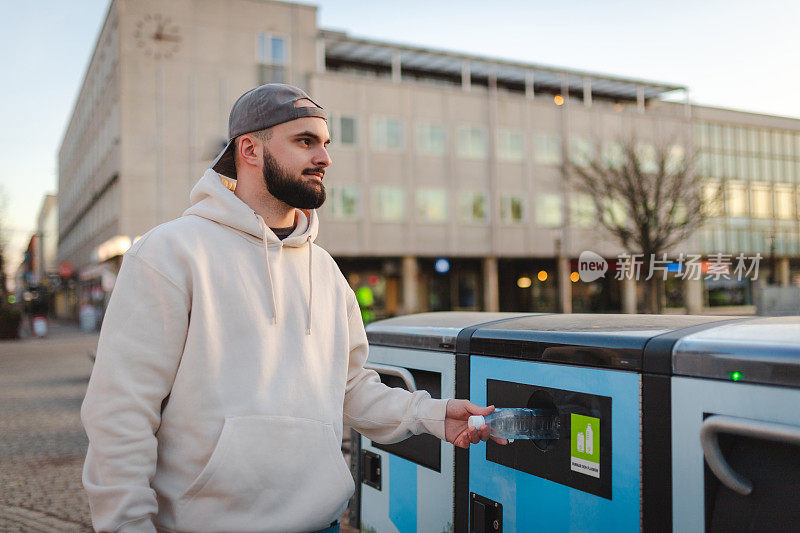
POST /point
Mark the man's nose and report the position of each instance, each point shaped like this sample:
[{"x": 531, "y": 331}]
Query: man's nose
[{"x": 322, "y": 158}]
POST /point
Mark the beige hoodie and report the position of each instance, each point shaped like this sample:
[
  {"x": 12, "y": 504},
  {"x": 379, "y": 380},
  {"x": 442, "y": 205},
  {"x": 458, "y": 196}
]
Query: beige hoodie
[{"x": 227, "y": 362}]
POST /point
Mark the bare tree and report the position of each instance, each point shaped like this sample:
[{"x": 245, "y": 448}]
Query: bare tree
[{"x": 647, "y": 196}]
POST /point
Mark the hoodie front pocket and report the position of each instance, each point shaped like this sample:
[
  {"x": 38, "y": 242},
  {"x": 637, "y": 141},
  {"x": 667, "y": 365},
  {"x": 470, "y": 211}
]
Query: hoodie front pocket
[{"x": 268, "y": 473}]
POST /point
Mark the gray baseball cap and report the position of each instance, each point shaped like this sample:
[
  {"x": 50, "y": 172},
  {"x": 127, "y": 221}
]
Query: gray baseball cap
[{"x": 259, "y": 109}]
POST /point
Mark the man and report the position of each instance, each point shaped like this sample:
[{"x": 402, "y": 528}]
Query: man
[{"x": 233, "y": 349}]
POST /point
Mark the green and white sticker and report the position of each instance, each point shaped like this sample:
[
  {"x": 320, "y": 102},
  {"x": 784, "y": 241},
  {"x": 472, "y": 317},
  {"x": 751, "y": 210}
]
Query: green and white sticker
[{"x": 585, "y": 456}]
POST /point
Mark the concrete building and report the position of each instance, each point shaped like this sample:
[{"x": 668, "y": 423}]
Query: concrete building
[{"x": 449, "y": 187}]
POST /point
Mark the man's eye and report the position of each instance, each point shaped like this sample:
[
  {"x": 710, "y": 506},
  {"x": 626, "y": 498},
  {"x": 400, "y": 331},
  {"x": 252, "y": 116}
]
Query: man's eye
[{"x": 306, "y": 142}]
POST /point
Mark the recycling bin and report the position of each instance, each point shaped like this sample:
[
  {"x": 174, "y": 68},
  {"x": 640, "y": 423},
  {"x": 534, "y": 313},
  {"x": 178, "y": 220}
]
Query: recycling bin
[
  {"x": 736, "y": 428},
  {"x": 607, "y": 377},
  {"x": 408, "y": 486}
]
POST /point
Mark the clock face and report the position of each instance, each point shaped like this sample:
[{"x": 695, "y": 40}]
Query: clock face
[{"x": 157, "y": 36}]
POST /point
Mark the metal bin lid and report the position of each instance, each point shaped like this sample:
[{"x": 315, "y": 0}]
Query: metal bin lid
[
  {"x": 763, "y": 350},
  {"x": 430, "y": 331},
  {"x": 600, "y": 340}
]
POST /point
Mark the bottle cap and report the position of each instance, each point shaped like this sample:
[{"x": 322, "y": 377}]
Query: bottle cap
[{"x": 476, "y": 421}]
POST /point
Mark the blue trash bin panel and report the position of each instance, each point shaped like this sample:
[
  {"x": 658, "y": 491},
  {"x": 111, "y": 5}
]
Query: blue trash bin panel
[
  {"x": 531, "y": 502},
  {"x": 416, "y": 475}
]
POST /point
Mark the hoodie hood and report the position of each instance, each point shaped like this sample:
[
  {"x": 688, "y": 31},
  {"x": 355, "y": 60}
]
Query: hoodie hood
[{"x": 212, "y": 200}]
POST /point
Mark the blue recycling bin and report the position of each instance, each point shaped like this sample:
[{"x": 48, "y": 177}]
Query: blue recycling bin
[
  {"x": 409, "y": 486},
  {"x": 609, "y": 378}
]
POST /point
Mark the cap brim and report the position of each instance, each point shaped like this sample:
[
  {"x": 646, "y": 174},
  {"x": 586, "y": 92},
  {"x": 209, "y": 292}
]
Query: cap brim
[{"x": 224, "y": 163}]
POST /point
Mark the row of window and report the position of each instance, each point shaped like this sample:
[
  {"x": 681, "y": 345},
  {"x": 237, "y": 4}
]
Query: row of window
[
  {"x": 741, "y": 139},
  {"x": 758, "y": 200},
  {"x": 754, "y": 199},
  {"x": 472, "y": 142},
  {"x": 432, "y": 205},
  {"x": 756, "y": 167},
  {"x": 717, "y": 239}
]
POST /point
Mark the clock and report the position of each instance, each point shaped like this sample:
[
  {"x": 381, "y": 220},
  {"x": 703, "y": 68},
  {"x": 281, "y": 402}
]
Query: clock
[{"x": 157, "y": 36}]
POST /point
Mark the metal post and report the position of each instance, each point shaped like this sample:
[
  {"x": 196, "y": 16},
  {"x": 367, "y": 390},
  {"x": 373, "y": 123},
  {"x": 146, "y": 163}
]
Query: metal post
[
  {"x": 466, "y": 76},
  {"x": 396, "y": 66},
  {"x": 640, "y": 99},
  {"x": 587, "y": 91},
  {"x": 687, "y": 103},
  {"x": 529, "y": 84}
]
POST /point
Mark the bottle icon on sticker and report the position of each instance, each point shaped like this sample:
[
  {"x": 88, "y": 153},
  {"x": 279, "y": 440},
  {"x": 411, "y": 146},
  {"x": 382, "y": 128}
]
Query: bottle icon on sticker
[
  {"x": 580, "y": 442},
  {"x": 589, "y": 440}
]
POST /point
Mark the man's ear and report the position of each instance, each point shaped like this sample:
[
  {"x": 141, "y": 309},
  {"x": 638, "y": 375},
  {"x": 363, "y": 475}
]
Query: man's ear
[{"x": 249, "y": 151}]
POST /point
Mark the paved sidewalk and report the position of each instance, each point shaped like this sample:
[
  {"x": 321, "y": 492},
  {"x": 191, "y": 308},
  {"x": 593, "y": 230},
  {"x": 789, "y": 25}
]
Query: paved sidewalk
[{"x": 42, "y": 443}]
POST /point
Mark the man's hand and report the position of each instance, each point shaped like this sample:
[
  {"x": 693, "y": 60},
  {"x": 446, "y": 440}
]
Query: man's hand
[{"x": 455, "y": 424}]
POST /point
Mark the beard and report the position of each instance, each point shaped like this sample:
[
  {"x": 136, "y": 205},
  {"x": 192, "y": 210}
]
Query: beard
[{"x": 293, "y": 191}]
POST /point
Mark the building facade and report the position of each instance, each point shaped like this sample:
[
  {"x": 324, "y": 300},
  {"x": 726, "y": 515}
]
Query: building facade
[{"x": 449, "y": 188}]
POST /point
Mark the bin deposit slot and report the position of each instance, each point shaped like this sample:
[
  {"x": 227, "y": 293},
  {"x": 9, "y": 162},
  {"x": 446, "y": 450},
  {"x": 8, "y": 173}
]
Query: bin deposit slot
[
  {"x": 424, "y": 450},
  {"x": 588, "y": 469},
  {"x": 541, "y": 399},
  {"x": 371, "y": 469}
]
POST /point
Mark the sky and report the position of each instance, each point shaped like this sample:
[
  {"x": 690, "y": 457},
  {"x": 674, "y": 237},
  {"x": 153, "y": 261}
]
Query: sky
[{"x": 735, "y": 54}]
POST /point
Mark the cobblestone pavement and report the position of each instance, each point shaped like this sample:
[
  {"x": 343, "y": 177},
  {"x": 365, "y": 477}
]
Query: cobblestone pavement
[{"x": 42, "y": 443}]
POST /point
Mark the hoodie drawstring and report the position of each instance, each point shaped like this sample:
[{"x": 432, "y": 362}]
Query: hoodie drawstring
[
  {"x": 272, "y": 287},
  {"x": 269, "y": 271},
  {"x": 310, "y": 285}
]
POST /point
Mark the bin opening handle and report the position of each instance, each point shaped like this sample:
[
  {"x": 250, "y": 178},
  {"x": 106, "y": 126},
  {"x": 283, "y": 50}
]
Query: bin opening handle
[
  {"x": 396, "y": 371},
  {"x": 716, "y": 424}
]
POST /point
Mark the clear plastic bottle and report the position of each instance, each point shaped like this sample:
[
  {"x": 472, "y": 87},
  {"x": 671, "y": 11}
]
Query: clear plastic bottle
[{"x": 520, "y": 423}]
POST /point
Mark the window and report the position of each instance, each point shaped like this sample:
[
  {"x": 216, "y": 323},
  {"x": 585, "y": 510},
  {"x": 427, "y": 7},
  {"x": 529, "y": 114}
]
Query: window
[
  {"x": 472, "y": 142},
  {"x": 581, "y": 151},
  {"x": 549, "y": 213},
  {"x": 784, "y": 202},
  {"x": 646, "y": 154},
  {"x": 548, "y": 149},
  {"x": 701, "y": 132},
  {"x": 613, "y": 154},
  {"x": 344, "y": 202},
  {"x": 762, "y": 200},
  {"x": 431, "y": 205},
  {"x": 431, "y": 139},
  {"x": 510, "y": 145},
  {"x": 387, "y": 135},
  {"x": 764, "y": 144},
  {"x": 388, "y": 203},
  {"x": 343, "y": 130},
  {"x": 675, "y": 158},
  {"x": 616, "y": 212},
  {"x": 737, "y": 199},
  {"x": 582, "y": 211},
  {"x": 272, "y": 58},
  {"x": 472, "y": 207},
  {"x": 512, "y": 209},
  {"x": 712, "y": 199}
]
